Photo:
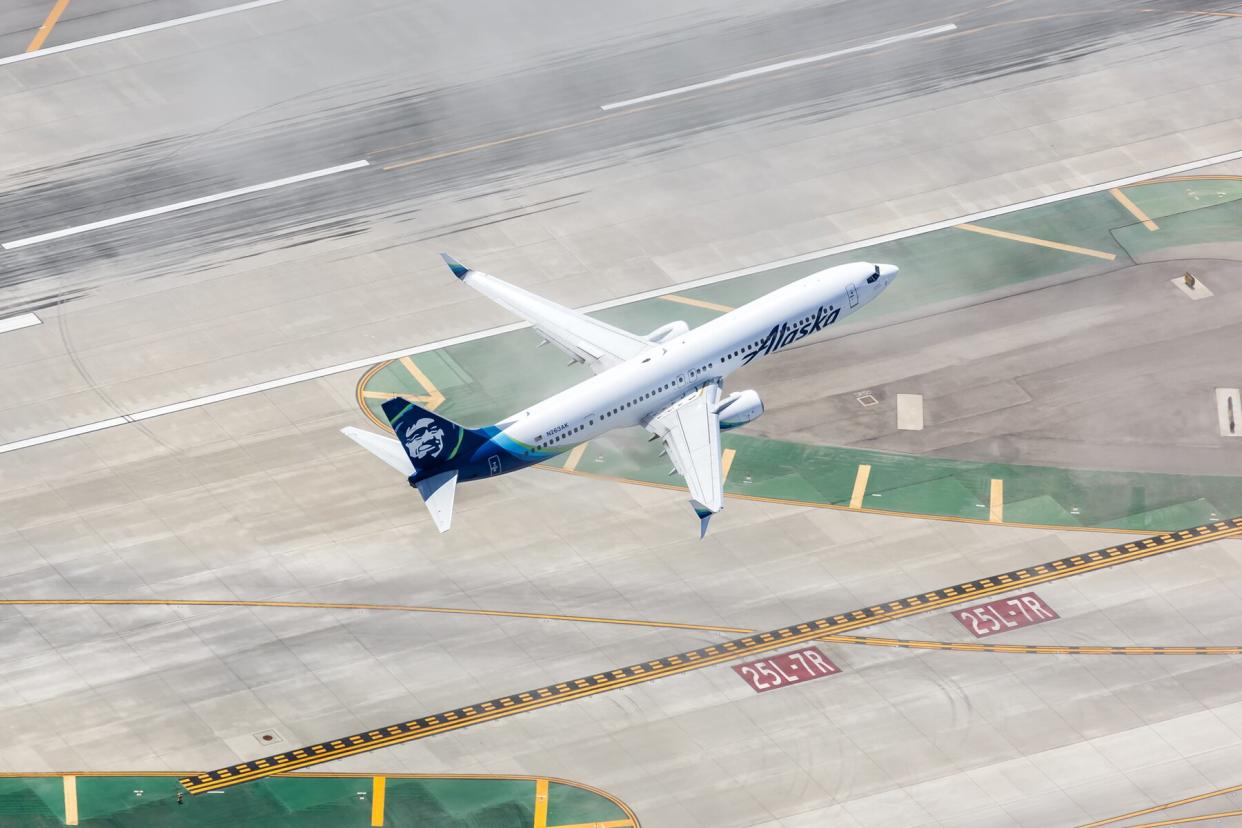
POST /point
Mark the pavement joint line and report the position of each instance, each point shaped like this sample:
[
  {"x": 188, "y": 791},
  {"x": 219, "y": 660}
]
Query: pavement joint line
[
  {"x": 183, "y": 205},
  {"x": 748, "y": 645},
  {"x": 1136, "y": 211},
  {"x": 370, "y": 362},
  {"x": 782, "y": 65},
  {"x": 49, "y": 23},
  {"x": 1018, "y": 237},
  {"x": 153, "y": 27}
]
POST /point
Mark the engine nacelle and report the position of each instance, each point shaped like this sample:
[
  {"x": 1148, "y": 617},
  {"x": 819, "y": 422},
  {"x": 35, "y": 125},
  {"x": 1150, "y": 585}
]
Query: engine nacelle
[
  {"x": 664, "y": 333},
  {"x": 738, "y": 409}
]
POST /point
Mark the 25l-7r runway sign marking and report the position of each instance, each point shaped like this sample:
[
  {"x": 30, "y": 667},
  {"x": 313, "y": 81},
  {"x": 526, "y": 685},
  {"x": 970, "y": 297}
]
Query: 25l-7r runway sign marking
[
  {"x": 784, "y": 669},
  {"x": 1023, "y": 610}
]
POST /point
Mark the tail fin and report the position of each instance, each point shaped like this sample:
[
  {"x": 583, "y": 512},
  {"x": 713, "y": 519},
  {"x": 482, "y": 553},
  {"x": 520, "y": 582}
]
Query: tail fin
[
  {"x": 437, "y": 447},
  {"x": 433, "y": 443}
]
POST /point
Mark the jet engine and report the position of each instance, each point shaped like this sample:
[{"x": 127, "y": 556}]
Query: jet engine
[
  {"x": 664, "y": 333},
  {"x": 738, "y": 409}
]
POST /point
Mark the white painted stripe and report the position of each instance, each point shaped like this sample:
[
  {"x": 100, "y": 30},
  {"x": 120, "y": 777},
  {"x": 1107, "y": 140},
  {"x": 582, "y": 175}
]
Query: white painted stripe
[
  {"x": 154, "y": 27},
  {"x": 785, "y": 64},
  {"x": 181, "y": 205},
  {"x": 910, "y": 412},
  {"x": 16, "y": 323},
  {"x": 366, "y": 362}
]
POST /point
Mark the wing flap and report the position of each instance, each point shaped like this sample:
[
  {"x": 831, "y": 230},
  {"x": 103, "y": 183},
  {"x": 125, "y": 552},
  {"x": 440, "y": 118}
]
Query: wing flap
[{"x": 690, "y": 430}]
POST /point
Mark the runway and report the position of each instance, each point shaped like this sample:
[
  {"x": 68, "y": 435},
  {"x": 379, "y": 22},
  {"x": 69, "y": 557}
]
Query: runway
[{"x": 209, "y": 566}]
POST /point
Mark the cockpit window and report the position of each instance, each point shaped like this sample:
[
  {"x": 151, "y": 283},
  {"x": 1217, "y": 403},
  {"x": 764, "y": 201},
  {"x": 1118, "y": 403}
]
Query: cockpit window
[{"x": 871, "y": 280}]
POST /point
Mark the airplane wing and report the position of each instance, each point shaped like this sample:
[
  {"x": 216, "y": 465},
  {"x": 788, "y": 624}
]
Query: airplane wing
[
  {"x": 690, "y": 429},
  {"x": 598, "y": 344}
]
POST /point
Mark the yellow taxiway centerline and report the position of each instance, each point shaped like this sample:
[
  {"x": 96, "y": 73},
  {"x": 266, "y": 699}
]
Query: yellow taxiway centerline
[
  {"x": 1135, "y": 210},
  {"x": 860, "y": 486},
  {"x": 868, "y": 641},
  {"x": 1018, "y": 237},
  {"x": 698, "y": 303},
  {"x": 71, "y": 800},
  {"x": 1164, "y": 807},
  {"x": 541, "y": 803},
  {"x": 575, "y": 456},
  {"x": 48, "y": 24},
  {"x": 378, "y": 786},
  {"x": 434, "y": 398}
]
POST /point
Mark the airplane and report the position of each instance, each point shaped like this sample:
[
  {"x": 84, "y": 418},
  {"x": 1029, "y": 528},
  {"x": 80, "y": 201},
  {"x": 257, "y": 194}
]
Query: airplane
[{"x": 670, "y": 382}]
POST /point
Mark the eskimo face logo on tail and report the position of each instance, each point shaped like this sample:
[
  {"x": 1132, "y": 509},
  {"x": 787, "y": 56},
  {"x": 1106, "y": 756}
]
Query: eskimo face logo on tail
[
  {"x": 424, "y": 439},
  {"x": 785, "y": 334}
]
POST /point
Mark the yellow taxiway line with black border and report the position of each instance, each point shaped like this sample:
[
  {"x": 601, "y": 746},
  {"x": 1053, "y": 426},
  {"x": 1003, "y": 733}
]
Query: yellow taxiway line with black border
[
  {"x": 860, "y": 640},
  {"x": 745, "y": 646}
]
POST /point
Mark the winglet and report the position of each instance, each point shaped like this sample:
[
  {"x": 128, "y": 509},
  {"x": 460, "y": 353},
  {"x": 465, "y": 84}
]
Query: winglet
[
  {"x": 705, "y": 514},
  {"x": 459, "y": 269}
]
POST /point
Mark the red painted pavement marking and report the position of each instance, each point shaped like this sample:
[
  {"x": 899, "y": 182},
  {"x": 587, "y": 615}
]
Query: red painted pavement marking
[
  {"x": 784, "y": 669},
  {"x": 1005, "y": 614}
]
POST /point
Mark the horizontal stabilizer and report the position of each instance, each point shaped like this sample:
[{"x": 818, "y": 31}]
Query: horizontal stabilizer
[
  {"x": 385, "y": 448},
  {"x": 438, "y": 493}
]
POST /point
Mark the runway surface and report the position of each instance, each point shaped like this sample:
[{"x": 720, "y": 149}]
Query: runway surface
[{"x": 484, "y": 131}]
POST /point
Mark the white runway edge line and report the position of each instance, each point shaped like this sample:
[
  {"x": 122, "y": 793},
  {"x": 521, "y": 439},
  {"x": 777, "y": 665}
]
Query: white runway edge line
[
  {"x": 785, "y": 64},
  {"x": 182, "y": 205},
  {"x": 366, "y": 362},
  {"x": 154, "y": 27},
  {"x": 16, "y": 323}
]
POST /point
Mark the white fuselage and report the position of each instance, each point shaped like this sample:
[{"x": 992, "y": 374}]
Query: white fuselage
[{"x": 631, "y": 393}]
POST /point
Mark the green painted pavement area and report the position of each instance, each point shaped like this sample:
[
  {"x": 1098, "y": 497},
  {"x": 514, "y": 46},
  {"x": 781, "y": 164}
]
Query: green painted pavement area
[
  {"x": 487, "y": 379},
  {"x": 302, "y": 801}
]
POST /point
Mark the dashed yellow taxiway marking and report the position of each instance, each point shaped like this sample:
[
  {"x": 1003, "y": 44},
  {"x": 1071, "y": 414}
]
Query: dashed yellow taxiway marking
[
  {"x": 1135, "y": 210},
  {"x": 698, "y": 303},
  {"x": 745, "y": 646},
  {"x": 860, "y": 486},
  {"x": 1018, "y": 237},
  {"x": 48, "y": 24}
]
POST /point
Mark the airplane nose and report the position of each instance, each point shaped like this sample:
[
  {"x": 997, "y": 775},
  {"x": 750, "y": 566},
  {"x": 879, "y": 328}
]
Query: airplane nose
[{"x": 888, "y": 271}]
